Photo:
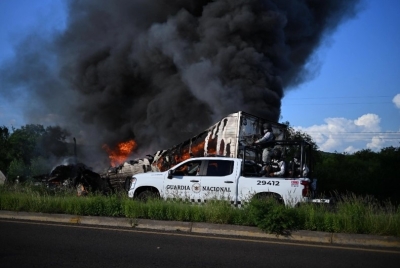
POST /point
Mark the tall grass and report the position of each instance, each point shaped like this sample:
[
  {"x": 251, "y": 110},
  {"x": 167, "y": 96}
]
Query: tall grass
[
  {"x": 211, "y": 212},
  {"x": 40, "y": 199},
  {"x": 351, "y": 213}
]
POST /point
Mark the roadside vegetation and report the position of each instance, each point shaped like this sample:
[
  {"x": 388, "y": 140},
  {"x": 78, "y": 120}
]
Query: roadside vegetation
[{"x": 350, "y": 214}]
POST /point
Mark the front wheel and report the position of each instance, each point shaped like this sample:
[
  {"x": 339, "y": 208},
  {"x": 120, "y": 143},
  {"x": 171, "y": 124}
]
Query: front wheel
[{"x": 146, "y": 195}]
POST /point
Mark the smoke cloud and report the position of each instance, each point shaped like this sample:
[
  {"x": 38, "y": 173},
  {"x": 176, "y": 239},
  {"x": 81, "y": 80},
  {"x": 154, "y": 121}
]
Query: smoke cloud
[{"x": 162, "y": 71}]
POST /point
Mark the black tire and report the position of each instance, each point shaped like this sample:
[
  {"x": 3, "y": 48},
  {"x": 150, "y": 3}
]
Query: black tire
[
  {"x": 146, "y": 195},
  {"x": 266, "y": 196}
]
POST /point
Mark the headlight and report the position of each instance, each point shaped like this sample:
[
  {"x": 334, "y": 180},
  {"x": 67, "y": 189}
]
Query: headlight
[{"x": 132, "y": 183}]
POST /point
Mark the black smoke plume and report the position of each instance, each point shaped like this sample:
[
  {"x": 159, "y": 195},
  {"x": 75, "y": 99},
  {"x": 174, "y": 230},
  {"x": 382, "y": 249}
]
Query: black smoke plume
[{"x": 162, "y": 71}]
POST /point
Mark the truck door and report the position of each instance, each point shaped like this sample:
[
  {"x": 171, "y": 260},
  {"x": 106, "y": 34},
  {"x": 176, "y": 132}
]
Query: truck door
[
  {"x": 218, "y": 181},
  {"x": 183, "y": 182}
]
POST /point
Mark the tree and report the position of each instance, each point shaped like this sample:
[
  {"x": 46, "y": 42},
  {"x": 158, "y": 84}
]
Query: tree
[
  {"x": 31, "y": 147},
  {"x": 53, "y": 142},
  {"x": 33, "y": 141},
  {"x": 23, "y": 142},
  {"x": 17, "y": 169},
  {"x": 364, "y": 173},
  {"x": 5, "y": 159},
  {"x": 387, "y": 173},
  {"x": 296, "y": 135},
  {"x": 39, "y": 166}
]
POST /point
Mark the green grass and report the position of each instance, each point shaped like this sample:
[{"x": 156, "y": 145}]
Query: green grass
[{"x": 351, "y": 214}]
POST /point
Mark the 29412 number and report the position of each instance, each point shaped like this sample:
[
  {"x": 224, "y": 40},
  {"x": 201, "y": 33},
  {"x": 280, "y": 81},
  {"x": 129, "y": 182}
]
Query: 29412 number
[{"x": 272, "y": 183}]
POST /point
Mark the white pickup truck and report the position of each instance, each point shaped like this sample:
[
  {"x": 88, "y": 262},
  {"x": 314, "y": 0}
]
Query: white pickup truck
[{"x": 204, "y": 178}]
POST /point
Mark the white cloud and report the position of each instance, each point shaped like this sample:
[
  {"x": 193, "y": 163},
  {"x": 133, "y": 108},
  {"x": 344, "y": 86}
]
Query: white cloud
[
  {"x": 396, "y": 100},
  {"x": 369, "y": 121},
  {"x": 351, "y": 149},
  {"x": 376, "y": 143},
  {"x": 346, "y": 135}
]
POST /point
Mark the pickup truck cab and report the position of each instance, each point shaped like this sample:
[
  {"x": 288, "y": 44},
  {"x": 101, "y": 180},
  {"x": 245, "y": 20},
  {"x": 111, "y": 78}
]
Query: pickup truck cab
[{"x": 207, "y": 178}]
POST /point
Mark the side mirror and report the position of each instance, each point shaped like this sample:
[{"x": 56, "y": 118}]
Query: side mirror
[{"x": 170, "y": 173}]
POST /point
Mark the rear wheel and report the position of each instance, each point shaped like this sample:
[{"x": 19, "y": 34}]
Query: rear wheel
[{"x": 269, "y": 196}]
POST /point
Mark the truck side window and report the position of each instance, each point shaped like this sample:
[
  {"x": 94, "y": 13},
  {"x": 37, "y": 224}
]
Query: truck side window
[
  {"x": 188, "y": 169},
  {"x": 219, "y": 168}
]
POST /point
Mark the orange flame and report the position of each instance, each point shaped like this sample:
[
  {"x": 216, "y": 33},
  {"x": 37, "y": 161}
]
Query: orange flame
[{"x": 120, "y": 153}]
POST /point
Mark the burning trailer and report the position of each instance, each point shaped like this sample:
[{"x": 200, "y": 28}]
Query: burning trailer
[
  {"x": 240, "y": 157},
  {"x": 229, "y": 137}
]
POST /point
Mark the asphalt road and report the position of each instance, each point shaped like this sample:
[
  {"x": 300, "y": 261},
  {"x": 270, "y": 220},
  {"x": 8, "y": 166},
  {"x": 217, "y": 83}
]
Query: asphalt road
[{"x": 34, "y": 244}]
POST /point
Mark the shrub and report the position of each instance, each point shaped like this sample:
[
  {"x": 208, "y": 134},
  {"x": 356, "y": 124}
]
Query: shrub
[{"x": 272, "y": 217}]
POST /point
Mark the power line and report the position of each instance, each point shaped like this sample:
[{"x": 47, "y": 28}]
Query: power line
[
  {"x": 339, "y": 97},
  {"x": 344, "y": 135},
  {"x": 356, "y": 136},
  {"x": 359, "y": 132},
  {"x": 288, "y": 100},
  {"x": 340, "y": 103}
]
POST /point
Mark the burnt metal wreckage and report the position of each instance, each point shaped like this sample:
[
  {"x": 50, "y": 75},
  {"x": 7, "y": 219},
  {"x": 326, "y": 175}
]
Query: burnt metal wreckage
[
  {"x": 81, "y": 177},
  {"x": 84, "y": 180},
  {"x": 77, "y": 176},
  {"x": 118, "y": 177}
]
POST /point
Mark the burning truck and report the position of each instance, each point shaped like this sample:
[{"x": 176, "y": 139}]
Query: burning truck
[{"x": 281, "y": 163}]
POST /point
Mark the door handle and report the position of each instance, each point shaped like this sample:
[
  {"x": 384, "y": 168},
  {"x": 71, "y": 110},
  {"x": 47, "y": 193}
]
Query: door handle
[
  {"x": 194, "y": 181},
  {"x": 228, "y": 181}
]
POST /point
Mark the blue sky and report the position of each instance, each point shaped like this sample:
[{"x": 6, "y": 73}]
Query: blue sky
[
  {"x": 352, "y": 102},
  {"x": 17, "y": 19}
]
